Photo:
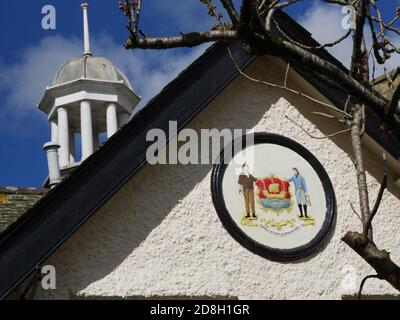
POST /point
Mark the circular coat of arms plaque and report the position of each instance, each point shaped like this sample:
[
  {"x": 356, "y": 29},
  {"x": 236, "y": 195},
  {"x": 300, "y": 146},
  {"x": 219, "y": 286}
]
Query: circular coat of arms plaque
[{"x": 274, "y": 197}]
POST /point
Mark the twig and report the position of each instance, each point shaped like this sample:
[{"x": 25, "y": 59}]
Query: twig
[
  {"x": 378, "y": 201},
  {"x": 363, "y": 282},
  {"x": 144, "y": 35},
  {"x": 286, "y": 75},
  {"x": 363, "y": 120},
  {"x": 326, "y": 45},
  {"x": 230, "y": 8},
  {"x": 346, "y": 106},
  {"x": 355, "y": 212},
  {"x": 315, "y": 137},
  {"x": 326, "y": 115},
  {"x": 273, "y": 85},
  {"x": 389, "y": 78}
]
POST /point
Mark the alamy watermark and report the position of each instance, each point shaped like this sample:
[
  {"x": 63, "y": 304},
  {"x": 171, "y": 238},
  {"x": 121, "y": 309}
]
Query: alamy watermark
[
  {"x": 206, "y": 146},
  {"x": 49, "y": 278},
  {"x": 49, "y": 20},
  {"x": 349, "y": 19},
  {"x": 349, "y": 280}
]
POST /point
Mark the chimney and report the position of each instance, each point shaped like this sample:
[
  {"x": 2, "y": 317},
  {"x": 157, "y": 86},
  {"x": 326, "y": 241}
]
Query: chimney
[{"x": 52, "y": 161}]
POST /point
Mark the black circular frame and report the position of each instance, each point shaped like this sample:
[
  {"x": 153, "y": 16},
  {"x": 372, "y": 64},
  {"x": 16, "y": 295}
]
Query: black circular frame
[{"x": 240, "y": 236}]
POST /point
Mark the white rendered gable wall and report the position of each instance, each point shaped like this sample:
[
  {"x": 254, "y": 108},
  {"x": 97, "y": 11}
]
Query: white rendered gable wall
[{"x": 160, "y": 235}]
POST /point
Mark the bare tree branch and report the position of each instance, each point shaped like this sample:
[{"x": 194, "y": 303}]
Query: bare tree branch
[
  {"x": 287, "y": 49},
  {"x": 261, "y": 34},
  {"x": 184, "y": 40},
  {"x": 378, "y": 259},
  {"x": 359, "y": 160},
  {"x": 359, "y": 60},
  {"x": 230, "y": 9}
]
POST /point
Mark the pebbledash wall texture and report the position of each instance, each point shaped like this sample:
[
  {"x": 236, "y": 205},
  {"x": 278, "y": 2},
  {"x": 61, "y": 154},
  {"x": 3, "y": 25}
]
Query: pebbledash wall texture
[{"x": 160, "y": 236}]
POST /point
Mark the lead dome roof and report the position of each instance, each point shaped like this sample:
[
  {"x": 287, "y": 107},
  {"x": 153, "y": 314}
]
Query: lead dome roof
[{"x": 88, "y": 67}]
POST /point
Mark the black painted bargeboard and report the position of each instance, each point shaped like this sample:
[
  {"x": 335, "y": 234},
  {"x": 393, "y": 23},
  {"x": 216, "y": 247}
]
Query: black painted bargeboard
[{"x": 47, "y": 225}]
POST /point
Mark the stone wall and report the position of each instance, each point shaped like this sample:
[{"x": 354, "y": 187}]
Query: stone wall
[
  {"x": 14, "y": 202},
  {"x": 382, "y": 85}
]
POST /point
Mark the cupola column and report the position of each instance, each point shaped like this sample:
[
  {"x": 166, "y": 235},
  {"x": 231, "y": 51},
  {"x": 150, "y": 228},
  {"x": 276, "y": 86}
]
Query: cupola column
[
  {"x": 86, "y": 129},
  {"x": 71, "y": 146},
  {"x": 63, "y": 136},
  {"x": 112, "y": 120},
  {"x": 54, "y": 131}
]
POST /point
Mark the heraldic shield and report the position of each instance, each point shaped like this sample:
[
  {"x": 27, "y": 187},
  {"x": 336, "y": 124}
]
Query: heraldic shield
[{"x": 274, "y": 197}]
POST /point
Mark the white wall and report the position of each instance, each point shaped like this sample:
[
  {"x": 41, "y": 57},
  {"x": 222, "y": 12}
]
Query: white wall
[{"x": 160, "y": 234}]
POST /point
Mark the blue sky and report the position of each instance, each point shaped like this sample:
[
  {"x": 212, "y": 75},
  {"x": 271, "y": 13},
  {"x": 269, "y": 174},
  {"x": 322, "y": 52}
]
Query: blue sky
[{"x": 30, "y": 56}]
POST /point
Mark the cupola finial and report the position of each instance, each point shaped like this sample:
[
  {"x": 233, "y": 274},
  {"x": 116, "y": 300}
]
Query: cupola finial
[{"x": 86, "y": 36}]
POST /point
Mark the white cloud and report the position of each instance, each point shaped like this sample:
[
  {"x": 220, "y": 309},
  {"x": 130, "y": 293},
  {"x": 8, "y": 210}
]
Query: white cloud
[
  {"x": 148, "y": 70},
  {"x": 24, "y": 82},
  {"x": 325, "y": 23}
]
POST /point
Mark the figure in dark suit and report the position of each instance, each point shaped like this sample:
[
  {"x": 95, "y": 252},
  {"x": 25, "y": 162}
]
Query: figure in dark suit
[{"x": 246, "y": 181}]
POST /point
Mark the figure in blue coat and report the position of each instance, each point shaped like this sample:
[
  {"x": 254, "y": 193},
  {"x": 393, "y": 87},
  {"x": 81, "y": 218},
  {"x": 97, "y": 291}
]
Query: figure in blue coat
[{"x": 300, "y": 191}]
